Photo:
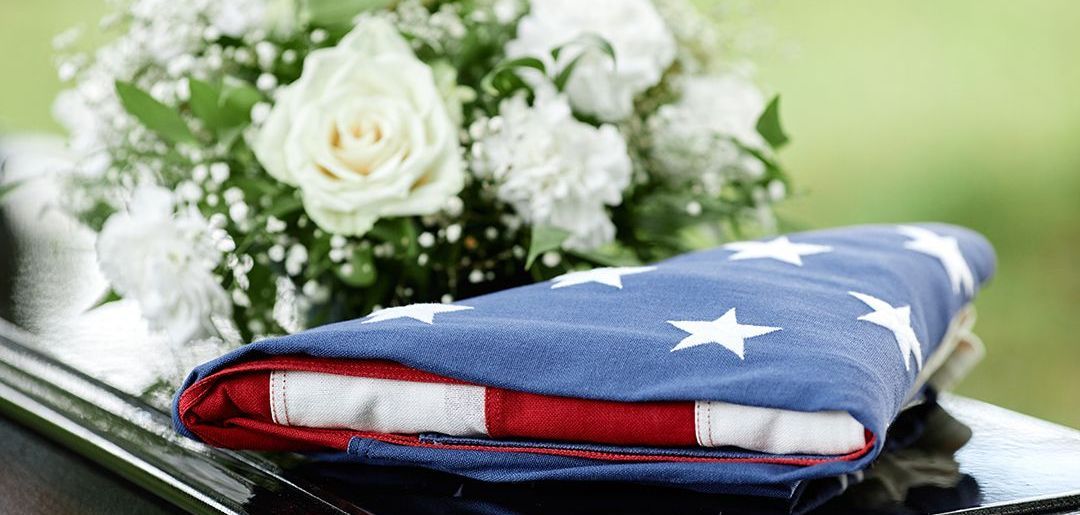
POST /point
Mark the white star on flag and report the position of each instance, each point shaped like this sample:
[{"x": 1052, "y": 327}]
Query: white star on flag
[
  {"x": 610, "y": 276},
  {"x": 780, "y": 249},
  {"x": 947, "y": 250},
  {"x": 420, "y": 312},
  {"x": 897, "y": 320},
  {"x": 726, "y": 331}
]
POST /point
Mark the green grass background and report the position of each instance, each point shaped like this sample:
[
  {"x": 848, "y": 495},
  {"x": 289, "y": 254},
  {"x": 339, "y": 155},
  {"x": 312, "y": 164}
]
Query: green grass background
[{"x": 965, "y": 111}]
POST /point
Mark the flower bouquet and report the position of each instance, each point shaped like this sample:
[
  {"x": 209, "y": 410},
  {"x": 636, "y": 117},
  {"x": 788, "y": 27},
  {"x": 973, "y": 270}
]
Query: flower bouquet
[{"x": 255, "y": 167}]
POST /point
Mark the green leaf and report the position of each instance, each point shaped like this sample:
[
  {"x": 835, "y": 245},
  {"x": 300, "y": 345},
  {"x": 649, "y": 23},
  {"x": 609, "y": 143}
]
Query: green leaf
[
  {"x": 361, "y": 269},
  {"x": 568, "y": 71},
  {"x": 769, "y": 127},
  {"x": 588, "y": 41},
  {"x": 318, "y": 257},
  {"x": 228, "y": 137},
  {"x": 609, "y": 255},
  {"x": 156, "y": 116},
  {"x": 9, "y": 187},
  {"x": 238, "y": 99},
  {"x": 503, "y": 79},
  {"x": 204, "y": 103},
  {"x": 522, "y": 62},
  {"x": 544, "y": 238},
  {"x": 109, "y": 297},
  {"x": 285, "y": 207},
  {"x": 339, "y": 12},
  {"x": 399, "y": 232},
  {"x": 224, "y": 109},
  {"x": 263, "y": 185}
]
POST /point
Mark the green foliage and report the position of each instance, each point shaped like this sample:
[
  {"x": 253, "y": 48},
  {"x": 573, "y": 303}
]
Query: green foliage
[
  {"x": 318, "y": 257},
  {"x": 544, "y": 238},
  {"x": 503, "y": 80},
  {"x": 399, "y": 232},
  {"x": 154, "y": 115},
  {"x": 586, "y": 42},
  {"x": 222, "y": 107},
  {"x": 361, "y": 270},
  {"x": 769, "y": 127},
  {"x": 339, "y": 12},
  {"x": 564, "y": 75},
  {"x": 613, "y": 254},
  {"x": 109, "y": 297},
  {"x": 7, "y": 188},
  {"x": 204, "y": 103},
  {"x": 239, "y": 98},
  {"x": 285, "y": 206}
]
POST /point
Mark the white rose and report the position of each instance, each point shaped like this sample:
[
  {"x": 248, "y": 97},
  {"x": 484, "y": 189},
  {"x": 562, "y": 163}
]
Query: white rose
[
  {"x": 555, "y": 170},
  {"x": 644, "y": 49},
  {"x": 704, "y": 134},
  {"x": 363, "y": 133},
  {"x": 165, "y": 263}
]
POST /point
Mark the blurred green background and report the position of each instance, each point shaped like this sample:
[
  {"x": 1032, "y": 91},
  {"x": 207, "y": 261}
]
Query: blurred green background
[{"x": 965, "y": 111}]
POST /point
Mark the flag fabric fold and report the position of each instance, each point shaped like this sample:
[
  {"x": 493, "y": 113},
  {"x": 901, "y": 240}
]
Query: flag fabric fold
[{"x": 747, "y": 369}]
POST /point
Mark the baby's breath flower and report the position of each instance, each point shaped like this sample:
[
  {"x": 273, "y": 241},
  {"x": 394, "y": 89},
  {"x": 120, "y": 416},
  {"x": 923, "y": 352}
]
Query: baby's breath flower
[
  {"x": 453, "y": 233},
  {"x": 426, "y": 240},
  {"x": 219, "y": 172},
  {"x": 239, "y": 212},
  {"x": 296, "y": 259},
  {"x": 693, "y": 208},
  {"x": 551, "y": 259},
  {"x": 274, "y": 225},
  {"x": 777, "y": 190},
  {"x": 276, "y": 253},
  {"x": 266, "y": 82},
  {"x": 476, "y": 276}
]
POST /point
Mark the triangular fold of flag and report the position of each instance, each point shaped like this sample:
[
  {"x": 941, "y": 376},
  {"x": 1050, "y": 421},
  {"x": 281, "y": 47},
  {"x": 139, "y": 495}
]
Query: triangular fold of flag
[{"x": 742, "y": 369}]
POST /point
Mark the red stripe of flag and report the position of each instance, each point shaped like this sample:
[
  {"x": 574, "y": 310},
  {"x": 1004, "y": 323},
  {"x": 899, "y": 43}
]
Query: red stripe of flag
[{"x": 231, "y": 408}]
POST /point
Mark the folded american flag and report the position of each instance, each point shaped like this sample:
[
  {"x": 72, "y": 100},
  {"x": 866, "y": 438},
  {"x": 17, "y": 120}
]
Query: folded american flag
[{"x": 746, "y": 369}]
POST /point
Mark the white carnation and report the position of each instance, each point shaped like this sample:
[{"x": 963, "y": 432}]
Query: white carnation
[
  {"x": 644, "y": 49},
  {"x": 165, "y": 263},
  {"x": 705, "y": 133},
  {"x": 555, "y": 170}
]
